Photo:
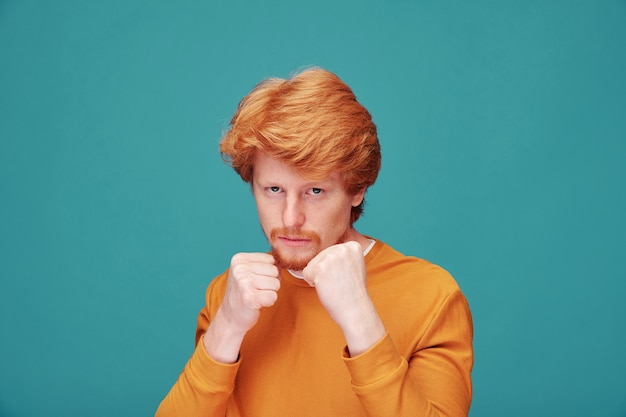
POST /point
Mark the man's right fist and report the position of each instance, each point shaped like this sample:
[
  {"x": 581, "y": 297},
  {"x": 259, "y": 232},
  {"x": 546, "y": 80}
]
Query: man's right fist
[{"x": 253, "y": 283}]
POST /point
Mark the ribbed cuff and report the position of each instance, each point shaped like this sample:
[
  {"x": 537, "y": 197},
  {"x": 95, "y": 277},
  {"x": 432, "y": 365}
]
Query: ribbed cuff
[
  {"x": 209, "y": 374},
  {"x": 375, "y": 364}
]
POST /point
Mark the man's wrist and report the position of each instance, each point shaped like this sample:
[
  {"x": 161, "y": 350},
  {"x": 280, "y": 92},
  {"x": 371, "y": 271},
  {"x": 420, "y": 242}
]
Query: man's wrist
[
  {"x": 221, "y": 342},
  {"x": 364, "y": 332}
]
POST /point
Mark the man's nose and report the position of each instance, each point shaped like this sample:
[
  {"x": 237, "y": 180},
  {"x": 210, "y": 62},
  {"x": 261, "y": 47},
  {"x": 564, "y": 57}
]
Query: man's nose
[{"x": 293, "y": 212}]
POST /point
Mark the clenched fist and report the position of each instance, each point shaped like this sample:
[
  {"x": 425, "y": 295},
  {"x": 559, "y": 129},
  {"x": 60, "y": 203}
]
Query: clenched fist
[
  {"x": 339, "y": 277},
  {"x": 253, "y": 283}
]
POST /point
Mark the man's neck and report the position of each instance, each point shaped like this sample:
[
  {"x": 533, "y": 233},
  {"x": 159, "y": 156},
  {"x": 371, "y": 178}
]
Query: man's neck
[{"x": 354, "y": 235}]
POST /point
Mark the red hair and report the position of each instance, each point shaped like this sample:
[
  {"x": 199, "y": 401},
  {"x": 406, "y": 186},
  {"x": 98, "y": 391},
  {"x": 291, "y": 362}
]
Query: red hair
[{"x": 311, "y": 122}]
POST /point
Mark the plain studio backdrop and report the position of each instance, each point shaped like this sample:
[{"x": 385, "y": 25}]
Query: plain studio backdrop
[{"x": 503, "y": 129}]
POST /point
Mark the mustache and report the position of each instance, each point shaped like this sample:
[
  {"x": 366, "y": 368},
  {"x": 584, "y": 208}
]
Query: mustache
[{"x": 294, "y": 233}]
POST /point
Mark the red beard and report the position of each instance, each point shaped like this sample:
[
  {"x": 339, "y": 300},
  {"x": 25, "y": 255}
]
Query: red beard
[
  {"x": 298, "y": 262},
  {"x": 294, "y": 262}
]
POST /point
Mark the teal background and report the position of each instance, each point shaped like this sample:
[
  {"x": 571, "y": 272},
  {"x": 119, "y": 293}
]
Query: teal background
[{"x": 503, "y": 130}]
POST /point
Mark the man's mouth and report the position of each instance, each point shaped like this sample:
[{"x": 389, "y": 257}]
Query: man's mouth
[
  {"x": 294, "y": 241},
  {"x": 288, "y": 237}
]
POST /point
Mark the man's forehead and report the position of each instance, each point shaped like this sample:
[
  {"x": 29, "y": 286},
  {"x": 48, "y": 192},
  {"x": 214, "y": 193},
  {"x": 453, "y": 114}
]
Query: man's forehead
[
  {"x": 297, "y": 176},
  {"x": 266, "y": 167}
]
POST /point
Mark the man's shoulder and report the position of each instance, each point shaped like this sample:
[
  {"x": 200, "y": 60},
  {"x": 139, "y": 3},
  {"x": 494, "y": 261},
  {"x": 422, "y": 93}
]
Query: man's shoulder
[{"x": 392, "y": 264}]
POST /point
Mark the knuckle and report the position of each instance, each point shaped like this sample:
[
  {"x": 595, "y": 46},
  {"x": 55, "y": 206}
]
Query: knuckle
[
  {"x": 238, "y": 270},
  {"x": 237, "y": 259},
  {"x": 270, "y": 299},
  {"x": 354, "y": 246},
  {"x": 248, "y": 299},
  {"x": 241, "y": 280}
]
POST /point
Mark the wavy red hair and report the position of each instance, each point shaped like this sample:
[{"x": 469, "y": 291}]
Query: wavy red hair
[{"x": 313, "y": 123}]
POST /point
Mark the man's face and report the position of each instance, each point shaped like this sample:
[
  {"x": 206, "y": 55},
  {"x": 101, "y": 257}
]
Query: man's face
[{"x": 300, "y": 218}]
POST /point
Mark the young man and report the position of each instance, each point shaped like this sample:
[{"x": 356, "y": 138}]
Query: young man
[{"x": 331, "y": 322}]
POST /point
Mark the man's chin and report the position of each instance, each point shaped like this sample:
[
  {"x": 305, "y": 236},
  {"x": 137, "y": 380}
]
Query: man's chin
[{"x": 293, "y": 263}]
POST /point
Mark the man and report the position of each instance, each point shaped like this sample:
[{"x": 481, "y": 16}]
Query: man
[{"x": 331, "y": 322}]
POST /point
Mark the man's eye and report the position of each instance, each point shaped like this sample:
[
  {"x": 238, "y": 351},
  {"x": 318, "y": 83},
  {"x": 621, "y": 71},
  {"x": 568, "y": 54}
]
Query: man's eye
[
  {"x": 274, "y": 189},
  {"x": 316, "y": 191}
]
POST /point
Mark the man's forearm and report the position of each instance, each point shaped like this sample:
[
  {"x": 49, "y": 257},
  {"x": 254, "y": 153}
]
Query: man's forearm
[{"x": 221, "y": 342}]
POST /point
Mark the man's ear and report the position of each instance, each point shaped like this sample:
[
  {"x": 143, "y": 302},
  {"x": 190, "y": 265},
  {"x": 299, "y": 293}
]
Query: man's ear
[{"x": 357, "y": 199}]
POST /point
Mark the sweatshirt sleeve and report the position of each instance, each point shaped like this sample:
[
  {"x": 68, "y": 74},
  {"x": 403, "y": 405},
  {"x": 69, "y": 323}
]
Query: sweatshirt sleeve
[
  {"x": 204, "y": 386},
  {"x": 202, "y": 389},
  {"x": 433, "y": 382}
]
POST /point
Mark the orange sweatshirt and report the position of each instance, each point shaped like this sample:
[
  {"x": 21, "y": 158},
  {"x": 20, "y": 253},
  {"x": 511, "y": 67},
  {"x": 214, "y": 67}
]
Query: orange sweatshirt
[{"x": 294, "y": 363}]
